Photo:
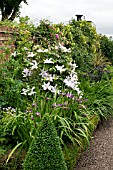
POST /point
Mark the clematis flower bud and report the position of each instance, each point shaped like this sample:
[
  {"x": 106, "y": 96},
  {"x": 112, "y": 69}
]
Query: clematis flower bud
[{"x": 57, "y": 36}]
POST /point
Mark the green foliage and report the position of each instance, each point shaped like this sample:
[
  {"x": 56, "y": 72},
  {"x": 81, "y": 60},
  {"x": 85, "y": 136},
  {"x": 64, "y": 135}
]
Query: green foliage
[
  {"x": 7, "y": 141},
  {"x": 86, "y": 42},
  {"x": 10, "y": 84},
  {"x": 99, "y": 95},
  {"x": 100, "y": 68},
  {"x": 106, "y": 45},
  {"x": 45, "y": 151},
  {"x": 16, "y": 128},
  {"x": 57, "y": 69}
]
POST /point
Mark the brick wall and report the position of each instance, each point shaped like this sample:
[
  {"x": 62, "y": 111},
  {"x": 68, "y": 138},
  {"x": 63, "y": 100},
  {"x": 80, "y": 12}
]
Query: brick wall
[{"x": 7, "y": 41}]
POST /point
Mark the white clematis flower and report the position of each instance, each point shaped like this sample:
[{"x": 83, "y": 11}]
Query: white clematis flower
[
  {"x": 60, "y": 68},
  {"x": 14, "y": 54},
  {"x": 34, "y": 65},
  {"x": 26, "y": 72},
  {"x": 46, "y": 86},
  {"x": 25, "y": 91},
  {"x": 32, "y": 92},
  {"x": 28, "y": 91},
  {"x": 43, "y": 73},
  {"x": 73, "y": 65},
  {"x": 31, "y": 55},
  {"x": 64, "y": 49},
  {"x": 72, "y": 82},
  {"x": 42, "y": 51},
  {"x": 48, "y": 61}
]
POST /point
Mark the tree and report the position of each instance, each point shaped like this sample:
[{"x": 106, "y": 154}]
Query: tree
[
  {"x": 106, "y": 45},
  {"x": 10, "y": 8}
]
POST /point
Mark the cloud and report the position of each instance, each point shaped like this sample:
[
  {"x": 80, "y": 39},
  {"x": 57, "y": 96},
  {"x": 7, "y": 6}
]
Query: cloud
[{"x": 98, "y": 11}]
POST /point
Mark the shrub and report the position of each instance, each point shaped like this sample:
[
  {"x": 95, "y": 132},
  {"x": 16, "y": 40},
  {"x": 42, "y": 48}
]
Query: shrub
[
  {"x": 86, "y": 42},
  {"x": 106, "y": 45},
  {"x": 45, "y": 151}
]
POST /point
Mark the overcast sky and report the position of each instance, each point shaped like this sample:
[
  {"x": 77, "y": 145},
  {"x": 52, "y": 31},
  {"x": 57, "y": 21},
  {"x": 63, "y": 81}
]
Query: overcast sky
[{"x": 98, "y": 11}]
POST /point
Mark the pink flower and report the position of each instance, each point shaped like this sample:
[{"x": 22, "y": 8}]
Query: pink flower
[
  {"x": 38, "y": 114},
  {"x": 57, "y": 36},
  {"x": 32, "y": 118},
  {"x": 34, "y": 104}
]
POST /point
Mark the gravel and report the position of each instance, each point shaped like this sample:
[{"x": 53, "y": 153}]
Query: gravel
[{"x": 99, "y": 156}]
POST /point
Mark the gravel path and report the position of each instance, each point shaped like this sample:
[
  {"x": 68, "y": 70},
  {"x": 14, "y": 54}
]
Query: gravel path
[{"x": 100, "y": 154}]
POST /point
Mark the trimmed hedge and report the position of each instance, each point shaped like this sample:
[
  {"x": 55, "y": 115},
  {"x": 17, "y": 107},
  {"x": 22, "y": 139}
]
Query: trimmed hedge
[{"x": 45, "y": 152}]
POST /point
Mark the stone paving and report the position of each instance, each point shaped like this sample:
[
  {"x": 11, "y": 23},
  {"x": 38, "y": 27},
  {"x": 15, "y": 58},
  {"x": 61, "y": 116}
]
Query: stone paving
[{"x": 99, "y": 156}]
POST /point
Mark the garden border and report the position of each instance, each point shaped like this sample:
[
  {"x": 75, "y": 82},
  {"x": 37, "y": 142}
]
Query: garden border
[{"x": 76, "y": 151}]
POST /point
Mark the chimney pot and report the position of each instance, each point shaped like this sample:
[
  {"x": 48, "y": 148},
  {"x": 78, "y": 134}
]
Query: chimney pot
[{"x": 79, "y": 17}]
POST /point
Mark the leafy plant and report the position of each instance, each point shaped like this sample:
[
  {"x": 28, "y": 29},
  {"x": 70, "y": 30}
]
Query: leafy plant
[
  {"x": 56, "y": 69},
  {"x": 99, "y": 95}
]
